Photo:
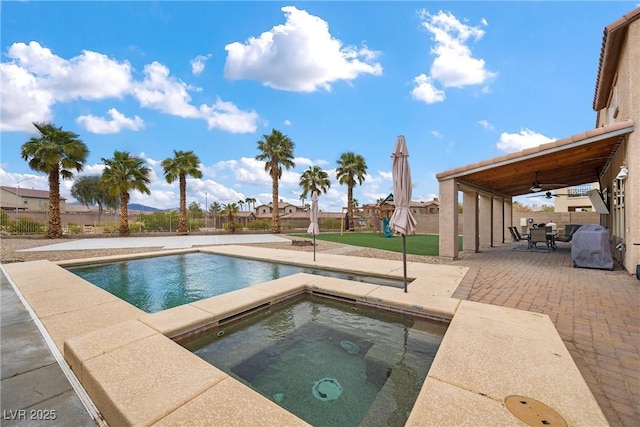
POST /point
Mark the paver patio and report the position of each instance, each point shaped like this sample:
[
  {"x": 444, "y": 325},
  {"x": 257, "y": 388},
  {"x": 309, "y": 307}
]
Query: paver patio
[{"x": 596, "y": 312}]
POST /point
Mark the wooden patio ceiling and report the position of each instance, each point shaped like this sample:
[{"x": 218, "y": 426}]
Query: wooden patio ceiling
[{"x": 575, "y": 160}]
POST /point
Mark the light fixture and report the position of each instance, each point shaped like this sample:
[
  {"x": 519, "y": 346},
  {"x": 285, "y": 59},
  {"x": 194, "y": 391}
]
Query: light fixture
[
  {"x": 536, "y": 187},
  {"x": 623, "y": 172}
]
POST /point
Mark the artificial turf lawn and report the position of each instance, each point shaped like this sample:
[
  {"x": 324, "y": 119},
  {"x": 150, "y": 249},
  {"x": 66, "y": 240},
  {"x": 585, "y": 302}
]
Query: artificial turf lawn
[{"x": 417, "y": 244}]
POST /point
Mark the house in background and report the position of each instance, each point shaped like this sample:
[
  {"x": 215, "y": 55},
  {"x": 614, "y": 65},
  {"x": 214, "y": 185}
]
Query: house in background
[
  {"x": 574, "y": 199},
  {"x": 608, "y": 154},
  {"x": 283, "y": 207},
  {"x": 417, "y": 208},
  {"x": 24, "y": 199}
]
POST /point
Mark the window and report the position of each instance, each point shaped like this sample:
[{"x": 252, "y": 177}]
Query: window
[
  {"x": 25, "y": 201},
  {"x": 40, "y": 202}
]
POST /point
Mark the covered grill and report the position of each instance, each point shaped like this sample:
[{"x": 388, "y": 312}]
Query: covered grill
[{"x": 590, "y": 247}]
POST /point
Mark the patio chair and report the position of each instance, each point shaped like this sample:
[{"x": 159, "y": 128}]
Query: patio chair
[
  {"x": 515, "y": 236},
  {"x": 538, "y": 235},
  {"x": 569, "y": 231},
  {"x": 520, "y": 236}
]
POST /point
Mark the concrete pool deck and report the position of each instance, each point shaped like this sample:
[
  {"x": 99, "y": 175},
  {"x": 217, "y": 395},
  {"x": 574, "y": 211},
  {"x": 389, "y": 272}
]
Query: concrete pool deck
[{"x": 119, "y": 353}]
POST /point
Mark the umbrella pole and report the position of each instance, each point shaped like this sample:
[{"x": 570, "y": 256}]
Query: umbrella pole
[
  {"x": 314, "y": 248},
  {"x": 404, "y": 259}
]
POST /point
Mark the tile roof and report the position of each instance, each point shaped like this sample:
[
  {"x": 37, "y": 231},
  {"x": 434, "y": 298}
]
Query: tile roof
[
  {"x": 26, "y": 192},
  {"x": 612, "y": 41}
]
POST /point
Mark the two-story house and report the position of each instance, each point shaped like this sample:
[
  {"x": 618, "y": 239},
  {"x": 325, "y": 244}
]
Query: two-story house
[
  {"x": 25, "y": 199},
  {"x": 608, "y": 154}
]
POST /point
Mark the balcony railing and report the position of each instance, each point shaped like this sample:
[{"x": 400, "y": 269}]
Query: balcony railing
[{"x": 579, "y": 191}]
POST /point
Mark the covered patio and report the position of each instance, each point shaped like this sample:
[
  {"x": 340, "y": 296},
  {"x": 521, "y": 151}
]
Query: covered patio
[{"x": 488, "y": 187}]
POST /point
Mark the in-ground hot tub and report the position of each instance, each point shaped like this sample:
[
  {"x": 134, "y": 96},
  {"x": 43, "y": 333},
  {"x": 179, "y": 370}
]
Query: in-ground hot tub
[{"x": 328, "y": 361}]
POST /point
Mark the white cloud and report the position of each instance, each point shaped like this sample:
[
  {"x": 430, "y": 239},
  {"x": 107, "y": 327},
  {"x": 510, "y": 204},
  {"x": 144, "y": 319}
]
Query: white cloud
[
  {"x": 453, "y": 65},
  {"x": 29, "y": 180},
  {"x": 425, "y": 90},
  {"x": 305, "y": 161},
  {"x": 300, "y": 55},
  {"x": 197, "y": 64},
  {"x": 511, "y": 142},
  {"x": 23, "y": 101},
  {"x": 386, "y": 175},
  {"x": 287, "y": 122},
  {"x": 161, "y": 92},
  {"x": 35, "y": 79},
  {"x": 485, "y": 124},
  {"x": 118, "y": 122},
  {"x": 217, "y": 192},
  {"x": 436, "y": 134},
  {"x": 94, "y": 169},
  {"x": 91, "y": 75},
  {"x": 228, "y": 117}
]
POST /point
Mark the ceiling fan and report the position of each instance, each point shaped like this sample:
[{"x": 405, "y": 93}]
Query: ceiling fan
[
  {"x": 549, "y": 195},
  {"x": 537, "y": 186}
]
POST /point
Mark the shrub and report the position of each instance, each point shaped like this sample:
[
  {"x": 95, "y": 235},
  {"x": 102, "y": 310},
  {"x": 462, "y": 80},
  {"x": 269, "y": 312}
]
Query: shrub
[
  {"x": 331, "y": 224},
  {"x": 26, "y": 225},
  {"x": 111, "y": 227},
  {"x": 259, "y": 225},
  {"x": 74, "y": 228}
]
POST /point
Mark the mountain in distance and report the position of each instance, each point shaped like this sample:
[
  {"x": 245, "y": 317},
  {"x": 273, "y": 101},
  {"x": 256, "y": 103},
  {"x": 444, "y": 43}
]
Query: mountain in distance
[{"x": 143, "y": 208}]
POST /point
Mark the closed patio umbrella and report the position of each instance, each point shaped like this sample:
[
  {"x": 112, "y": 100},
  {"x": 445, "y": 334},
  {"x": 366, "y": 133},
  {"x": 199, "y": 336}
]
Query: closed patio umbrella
[
  {"x": 402, "y": 221},
  {"x": 313, "y": 227}
]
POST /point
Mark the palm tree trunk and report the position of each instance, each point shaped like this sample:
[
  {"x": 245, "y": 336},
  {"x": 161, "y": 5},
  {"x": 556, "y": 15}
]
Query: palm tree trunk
[
  {"x": 350, "y": 206},
  {"x": 55, "y": 227},
  {"x": 124, "y": 214},
  {"x": 182, "y": 223},
  {"x": 275, "y": 215}
]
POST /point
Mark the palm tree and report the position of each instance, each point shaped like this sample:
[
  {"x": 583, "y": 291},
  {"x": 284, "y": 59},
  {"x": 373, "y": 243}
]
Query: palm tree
[
  {"x": 241, "y": 203},
  {"x": 215, "y": 207},
  {"x": 121, "y": 174},
  {"x": 250, "y": 202},
  {"x": 182, "y": 164},
  {"x": 56, "y": 153},
  {"x": 351, "y": 168},
  {"x": 314, "y": 179},
  {"x": 276, "y": 150},
  {"x": 230, "y": 210}
]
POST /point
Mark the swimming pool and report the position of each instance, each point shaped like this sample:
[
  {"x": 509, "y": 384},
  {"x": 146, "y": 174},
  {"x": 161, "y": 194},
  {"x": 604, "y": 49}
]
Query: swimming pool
[
  {"x": 326, "y": 361},
  {"x": 157, "y": 283}
]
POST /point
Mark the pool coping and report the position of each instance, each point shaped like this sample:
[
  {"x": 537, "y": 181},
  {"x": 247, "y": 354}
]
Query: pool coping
[{"x": 136, "y": 375}]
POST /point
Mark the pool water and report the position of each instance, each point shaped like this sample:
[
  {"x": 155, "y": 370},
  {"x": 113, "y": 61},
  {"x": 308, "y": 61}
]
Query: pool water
[
  {"x": 328, "y": 362},
  {"x": 158, "y": 283}
]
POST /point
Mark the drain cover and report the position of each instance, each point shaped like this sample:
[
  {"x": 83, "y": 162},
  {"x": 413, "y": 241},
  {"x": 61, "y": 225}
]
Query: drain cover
[
  {"x": 350, "y": 347},
  {"x": 326, "y": 389},
  {"x": 532, "y": 412}
]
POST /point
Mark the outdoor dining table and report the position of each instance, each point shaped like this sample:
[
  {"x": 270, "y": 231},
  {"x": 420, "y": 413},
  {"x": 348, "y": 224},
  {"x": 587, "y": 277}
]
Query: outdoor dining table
[{"x": 551, "y": 238}]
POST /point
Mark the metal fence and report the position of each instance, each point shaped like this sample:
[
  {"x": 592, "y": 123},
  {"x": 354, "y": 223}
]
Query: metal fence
[
  {"x": 36, "y": 222},
  {"x": 92, "y": 223},
  {"x": 108, "y": 223}
]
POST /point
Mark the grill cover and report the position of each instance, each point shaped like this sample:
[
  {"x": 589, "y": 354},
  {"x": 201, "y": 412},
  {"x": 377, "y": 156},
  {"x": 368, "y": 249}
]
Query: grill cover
[{"x": 590, "y": 247}]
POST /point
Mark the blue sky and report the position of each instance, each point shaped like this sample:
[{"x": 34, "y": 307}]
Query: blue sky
[{"x": 463, "y": 81}]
